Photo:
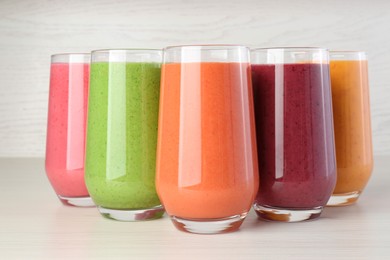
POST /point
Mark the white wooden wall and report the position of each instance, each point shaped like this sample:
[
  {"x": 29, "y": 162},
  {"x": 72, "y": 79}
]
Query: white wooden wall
[{"x": 32, "y": 30}]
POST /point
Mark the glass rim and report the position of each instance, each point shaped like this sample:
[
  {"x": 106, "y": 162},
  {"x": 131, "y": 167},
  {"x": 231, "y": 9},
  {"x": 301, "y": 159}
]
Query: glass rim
[
  {"x": 69, "y": 58},
  {"x": 129, "y": 50},
  {"x": 127, "y": 55},
  {"x": 206, "y": 47},
  {"x": 68, "y": 54},
  {"x": 290, "y": 49},
  {"x": 347, "y": 55}
]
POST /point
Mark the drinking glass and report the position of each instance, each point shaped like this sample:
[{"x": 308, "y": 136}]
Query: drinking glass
[
  {"x": 66, "y": 123},
  {"x": 122, "y": 133},
  {"x": 295, "y": 137},
  {"x": 352, "y": 126},
  {"x": 206, "y": 158}
]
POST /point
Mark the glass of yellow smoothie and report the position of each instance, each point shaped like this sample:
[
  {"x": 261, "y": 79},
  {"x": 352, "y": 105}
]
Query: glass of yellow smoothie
[{"x": 352, "y": 126}]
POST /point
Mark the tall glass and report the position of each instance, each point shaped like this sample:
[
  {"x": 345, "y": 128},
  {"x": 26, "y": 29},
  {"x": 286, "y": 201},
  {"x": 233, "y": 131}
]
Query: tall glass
[
  {"x": 122, "y": 133},
  {"x": 295, "y": 137},
  {"x": 206, "y": 158},
  {"x": 351, "y": 112},
  {"x": 66, "y": 124}
]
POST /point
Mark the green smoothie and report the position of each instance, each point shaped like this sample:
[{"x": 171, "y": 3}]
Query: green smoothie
[{"x": 122, "y": 134}]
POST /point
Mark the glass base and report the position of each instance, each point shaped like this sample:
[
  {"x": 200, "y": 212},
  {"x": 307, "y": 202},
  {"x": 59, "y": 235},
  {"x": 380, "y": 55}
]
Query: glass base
[
  {"x": 286, "y": 215},
  {"x": 132, "y": 215},
  {"x": 343, "y": 199},
  {"x": 209, "y": 226},
  {"x": 77, "y": 201}
]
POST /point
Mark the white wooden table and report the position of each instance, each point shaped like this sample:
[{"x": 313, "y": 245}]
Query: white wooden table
[{"x": 34, "y": 225}]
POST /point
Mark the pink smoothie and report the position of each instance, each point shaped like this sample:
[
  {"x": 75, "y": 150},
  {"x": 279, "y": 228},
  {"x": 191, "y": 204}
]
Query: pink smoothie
[{"x": 65, "y": 142}]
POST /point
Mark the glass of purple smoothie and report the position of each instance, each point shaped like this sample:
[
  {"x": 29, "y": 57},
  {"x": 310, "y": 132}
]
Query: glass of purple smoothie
[{"x": 295, "y": 136}]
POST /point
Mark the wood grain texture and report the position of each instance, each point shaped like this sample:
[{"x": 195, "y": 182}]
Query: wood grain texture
[
  {"x": 30, "y": 31},
  {"x": 34, "y": 225}
]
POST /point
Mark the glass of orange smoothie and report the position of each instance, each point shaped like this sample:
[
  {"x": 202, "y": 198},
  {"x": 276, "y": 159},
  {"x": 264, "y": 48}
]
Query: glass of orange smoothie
[
  {"x": 351, "y": 110},
  {"x": 207, "y": 173}
]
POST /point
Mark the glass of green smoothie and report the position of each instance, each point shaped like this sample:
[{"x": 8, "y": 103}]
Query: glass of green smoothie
[{"x": 121, "y": 141}]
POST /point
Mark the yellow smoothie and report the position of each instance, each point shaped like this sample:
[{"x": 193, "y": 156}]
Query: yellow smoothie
[{"x": 351, "y": 112}]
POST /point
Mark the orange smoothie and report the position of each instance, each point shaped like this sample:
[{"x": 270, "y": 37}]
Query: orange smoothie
[
  {"x": 351, "y": 110},
  {"x": 207, "y": 164}
]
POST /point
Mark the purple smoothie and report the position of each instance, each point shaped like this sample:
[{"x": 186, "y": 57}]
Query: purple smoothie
[{"x": 295, "y": 140}]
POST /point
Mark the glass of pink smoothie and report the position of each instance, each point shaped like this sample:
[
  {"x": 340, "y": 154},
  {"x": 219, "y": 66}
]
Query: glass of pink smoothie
[
  {"x": 65, "y": 143},
  {"x": 294, "y": 128}
]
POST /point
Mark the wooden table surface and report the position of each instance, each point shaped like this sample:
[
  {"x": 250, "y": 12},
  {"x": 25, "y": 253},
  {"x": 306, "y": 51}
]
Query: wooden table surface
[{"x": 34, "y": 225}]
